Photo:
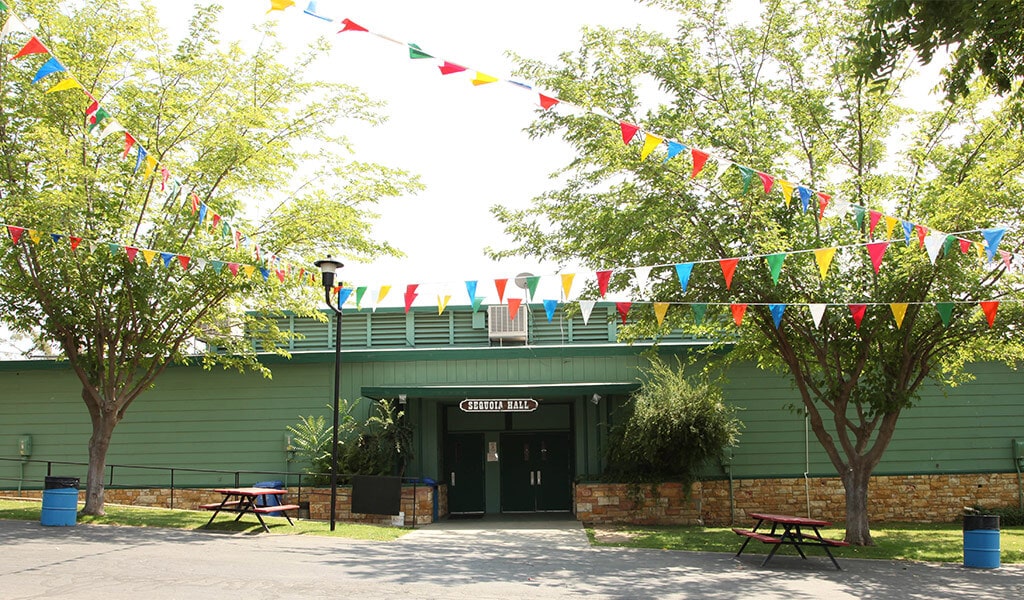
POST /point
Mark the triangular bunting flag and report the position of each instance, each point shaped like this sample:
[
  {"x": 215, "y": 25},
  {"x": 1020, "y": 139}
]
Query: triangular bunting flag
[
  {"x": 233, "y": 267},
  {"x": 13, "y": 24},
  {"x": 683, "y": 271},
  {"x": 767, "y": 180},
  {"x": 113, "y": 126},
  {"x": 857, "y": 312},
  {"x": 343, "y": 295},
  {"x": 35, "y": 236},
  {"x": 890, "y": 226},
  {"x": 728, "y": 270},
  {"x": 349, "y": 25},
  {"x": 858, "y": 216},
  {"x": 49, "y": 67},
  {"x": 805, "y": 198},
  {"x": 603, "y": 277},
  {"x": 922, "y": 232},
  {"x": 660, "y": 310},
  {"x": 933, "y": 245},
  {"x": 698, "y": 312},
  {"x": 477, "y": 303},
  {"x": 965, "y": 245},
  {"x": 482, "y": 79},
  {"x": 15, "y": 233},
  {"x": 75, "y": 242},
  {"x": 139, "y": 158},
  {"x": 775, "y": 265},
  {"x": 129, "y": 141},
  {"x": 945, "y": 311},
  {"x": 989, "y": 308},
  {"x": 738, "y": 310},
  {"x": 311, "y": 11},
  {"x": 723, "y": 166},
  {"x": 149, "y": 255},
  {"x": 131, "y": 251},
  {"x": 817, "y": 312},
  {"x": 549, "y": 309},
  {"x": 777, "y": 310},
  {"x": 382, "y": 293},
  {"x": 513, "y": 308},
  {"x": 873, "y": 218},
  {"x": 499, "y": 285},
  {"x": 899, "y": 311},
  {"x": 280, "y": 5},
  {"x": 442, "y": 303},
  {"x": 787, "y": 189},
  {"x": 567, "y": 285},
  {"x": 67, "y": 84},
  {"x": 410, "y": 295},
  {"x": 547, "y": 102},
  {"x": 992, "y": 239},
  {"x": 531, "y": 285},
  {"x": 416, "y": 52},
  {"x": 642, "y": 276},
  {"x": 586, "y": 308},
  {"x": 823, "y": 200},
  {"x": 183, "y": 261},
  {"x": 747, "y": 174},
  {"x": 674, "y": 149},
  {"x": 449, "y": 67},
  {"x": 948, "y": 244},
  {"x": 908, "y": 231},
  {"x": 699, "y": 159},
  {"x": 651, "y": 142},
  {"x": 360, "y": 293},
  {"x": 217, "y": 265},
  {"x": 471, "y": 289},
  {"x": 167, "y": 257},
  {"x": 623, "y": 308},
  {"x": 628, "y": 131},
  {"x": 876, "y": 250},
  {"x": 1006, "y": 257},
  {"x": 824, "y": 256},
  {"x": 33, "y": 46}
]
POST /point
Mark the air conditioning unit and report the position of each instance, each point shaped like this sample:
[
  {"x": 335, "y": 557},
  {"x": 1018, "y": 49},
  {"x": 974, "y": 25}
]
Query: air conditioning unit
[{"x": 501, "y": 327}]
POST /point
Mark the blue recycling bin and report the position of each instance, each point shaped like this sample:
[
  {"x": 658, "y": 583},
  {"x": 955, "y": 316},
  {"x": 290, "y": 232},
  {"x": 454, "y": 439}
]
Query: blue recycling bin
[
  {"x": 60, "y": 502},
  {"x": 981, "y": 541},
  {"x": 270, "y": 500}
]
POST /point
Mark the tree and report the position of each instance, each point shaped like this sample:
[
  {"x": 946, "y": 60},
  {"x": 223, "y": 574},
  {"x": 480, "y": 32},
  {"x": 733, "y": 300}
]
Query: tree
[
  {"x": 231, "y": 127},
  {"x": 987, "y": 36},
  {"x": 778, "y": 96}
]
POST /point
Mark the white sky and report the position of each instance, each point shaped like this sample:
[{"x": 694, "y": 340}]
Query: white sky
[{"x": 467, "y": 143}]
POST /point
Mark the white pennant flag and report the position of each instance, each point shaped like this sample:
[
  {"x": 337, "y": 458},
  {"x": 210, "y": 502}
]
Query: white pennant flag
[
  {"x": 723, "y": 166},
  {"x": 13, "y": 24},
  {"x": 643, "y": 278},
  {"x": 586, "y": 307},
  {"x": 199, "y": 264},
  {"x": 112, "y": 127},
  {"x": 817, "y": 312},
  {"x": 933, "y": 244}
]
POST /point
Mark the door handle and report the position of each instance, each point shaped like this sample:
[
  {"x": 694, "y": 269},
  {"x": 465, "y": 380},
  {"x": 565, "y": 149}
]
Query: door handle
[
  {"x": 538, "y": 477},
  {"x": 531, "y": 478},
  {"x": 453, "y": 478}
]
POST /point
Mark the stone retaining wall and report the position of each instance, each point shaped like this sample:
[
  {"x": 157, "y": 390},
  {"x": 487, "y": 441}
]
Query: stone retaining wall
[{"x": 905, "y": 498}]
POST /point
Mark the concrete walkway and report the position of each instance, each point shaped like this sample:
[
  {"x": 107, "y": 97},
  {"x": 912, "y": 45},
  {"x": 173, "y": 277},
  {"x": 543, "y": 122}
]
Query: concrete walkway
[{"x": 518, "y": 558}]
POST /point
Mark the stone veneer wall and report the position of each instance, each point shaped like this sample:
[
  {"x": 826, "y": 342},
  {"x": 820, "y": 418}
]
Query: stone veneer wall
[
  {"x": 906, "y": 498},
  {"x": 422, "y": 505}
]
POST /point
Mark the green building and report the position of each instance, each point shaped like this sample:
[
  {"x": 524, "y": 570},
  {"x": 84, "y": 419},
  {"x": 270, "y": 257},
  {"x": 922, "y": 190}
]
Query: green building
[{"x": 507, "y": 413}]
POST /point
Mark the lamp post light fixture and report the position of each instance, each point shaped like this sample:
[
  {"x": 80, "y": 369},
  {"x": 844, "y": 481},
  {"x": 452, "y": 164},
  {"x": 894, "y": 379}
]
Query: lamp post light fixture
[{"x": 328, "y": 267}]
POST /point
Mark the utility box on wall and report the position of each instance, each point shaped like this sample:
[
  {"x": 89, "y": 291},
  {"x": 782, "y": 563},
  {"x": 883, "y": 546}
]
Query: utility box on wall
[{"x": 25, "y": 446}]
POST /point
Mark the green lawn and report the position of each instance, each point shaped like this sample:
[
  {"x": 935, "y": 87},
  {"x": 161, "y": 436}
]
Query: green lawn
[
  {"x": 893, "y": 541},
  {"x": 139, "y": 516}
]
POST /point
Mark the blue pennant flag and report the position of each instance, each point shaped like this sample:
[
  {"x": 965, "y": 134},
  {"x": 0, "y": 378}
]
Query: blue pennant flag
[
  {"x": 265, "y": 272},
  {"x": 992, "y": 239},
  {"x": 311, "y": 11},
  {"x": 139, "y": 158},
  {"x": 683, "y": 271},
  {"x": 471, "y": 290},
  {"x": 168, "y": 257},
  {"x": 908, "y": 231},
  {"x": 674, "y": 148},
  {"x": 805, "y": 197},
  {"x": 549, "y": 308},
  {"x": 777, "y": 310},
  {"x": 343, "y": 295},
  {"x": 56, "y": 237},
  {"x": 218, "y": 266},
  {"x": 49, "y": 68}
]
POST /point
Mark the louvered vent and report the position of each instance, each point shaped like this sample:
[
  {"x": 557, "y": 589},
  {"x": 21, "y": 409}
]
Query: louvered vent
[{"x": 501, "y": 327}]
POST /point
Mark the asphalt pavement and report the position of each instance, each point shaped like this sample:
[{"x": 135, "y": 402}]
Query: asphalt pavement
[{"x": 490, "y": 559}]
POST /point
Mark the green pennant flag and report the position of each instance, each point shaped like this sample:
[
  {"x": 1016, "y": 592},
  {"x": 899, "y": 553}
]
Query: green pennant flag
[
  {"x": 945, "y": 311},
  {"x": 698, "y": 311},
  {"x": 359, "y": 296},
  {"x": 531, "y": 284},
  {"x": 947, "y": 245},
  {"x": 775, "y": 265},
  {"x": 748, "y": 175},
  {"x": 477, "y": 302},
  {"x": 114, "y": 249},
  {"x": 416, "y": 52},
  {"x": 858, "y": 214}
]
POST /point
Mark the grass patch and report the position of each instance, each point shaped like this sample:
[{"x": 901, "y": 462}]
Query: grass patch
[
  {"x": 941, "y": 542},
  {"x": 141, "y": 516}
]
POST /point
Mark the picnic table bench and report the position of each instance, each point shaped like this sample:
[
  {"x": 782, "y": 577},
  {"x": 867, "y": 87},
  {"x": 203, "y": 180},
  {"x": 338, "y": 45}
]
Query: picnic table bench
[{"x": 792, "y": 534}]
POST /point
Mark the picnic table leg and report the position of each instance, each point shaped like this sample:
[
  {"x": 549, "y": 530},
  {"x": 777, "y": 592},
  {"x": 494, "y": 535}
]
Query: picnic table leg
[
  {"x": 214, "y": 516},
  {"x": 747, "y": 540},
  {"x": 827, "y": 551},
  {"x": 797, "y": 540}
]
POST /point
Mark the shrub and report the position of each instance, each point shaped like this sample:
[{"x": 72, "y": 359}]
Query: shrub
[{"x": 671, "y": 429}]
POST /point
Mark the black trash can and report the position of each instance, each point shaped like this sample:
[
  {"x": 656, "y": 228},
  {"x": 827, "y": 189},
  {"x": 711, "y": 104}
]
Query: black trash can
[
  {"x": 270, "y": 499},
  {"x": 981, "y": 541},
  {"x": 60, "y": 502}
]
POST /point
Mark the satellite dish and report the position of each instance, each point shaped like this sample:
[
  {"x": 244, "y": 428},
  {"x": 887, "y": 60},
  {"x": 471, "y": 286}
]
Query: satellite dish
[{"x": 521, "y": 280}]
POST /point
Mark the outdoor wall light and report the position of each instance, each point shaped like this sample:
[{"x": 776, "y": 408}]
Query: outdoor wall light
[
  {"x": 595, "y": 398},
  {"x": 328, "y": 268}
]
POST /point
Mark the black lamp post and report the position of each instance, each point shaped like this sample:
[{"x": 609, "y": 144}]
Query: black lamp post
[{"x": 328, "y": 267}]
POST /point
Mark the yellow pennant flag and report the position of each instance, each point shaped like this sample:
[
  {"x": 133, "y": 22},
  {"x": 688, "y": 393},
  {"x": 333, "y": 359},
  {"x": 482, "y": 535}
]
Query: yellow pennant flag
[
  {"x": 442, "y": 303},
  {"x": 149, "y": 255},
  {"x": 384, "y": 289},
  {"x": 67, "y": 84},
  {"x": 980, "y": 247},
  {"x": 824, "y": 257},
  {"x": 249, "y": 270},
  {"x": 899, "y": 310},
  {"x": 890, "y": 224},
  {"x": 567, "y": 284},
  {"x": 482, "y": 79},
  {"x": 280, "y": 5},
  {"x": 150, "y": 167},
  {"x": 35, "y": 236},
  {"x": 651, "y": 142},
  {"x": 787, "y": 190},
  {"x": 660, "y": 310}
]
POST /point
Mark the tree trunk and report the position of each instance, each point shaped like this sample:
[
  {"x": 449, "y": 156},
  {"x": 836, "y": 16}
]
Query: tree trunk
[
  {"x": 103, "y": 423},
  {"x": 858, "y": 528}
]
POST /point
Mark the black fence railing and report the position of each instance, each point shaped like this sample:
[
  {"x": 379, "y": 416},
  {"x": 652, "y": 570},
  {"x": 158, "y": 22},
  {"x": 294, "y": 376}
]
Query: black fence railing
[{"x": 172, "y": 477}]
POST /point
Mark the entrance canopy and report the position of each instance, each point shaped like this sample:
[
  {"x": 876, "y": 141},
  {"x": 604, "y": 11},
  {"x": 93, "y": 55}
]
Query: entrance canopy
[{"x": 540, "y": 390}]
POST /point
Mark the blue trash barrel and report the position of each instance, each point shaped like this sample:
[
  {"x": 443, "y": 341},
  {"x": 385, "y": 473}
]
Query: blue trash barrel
[
  {"x": 60, "y": 502},
  {"x": 981, "y": 541},
  {"x": 270, "y": 500}
]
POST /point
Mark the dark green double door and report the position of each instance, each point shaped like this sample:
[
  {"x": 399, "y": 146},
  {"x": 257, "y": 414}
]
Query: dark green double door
[
  {"x": 464, "y": 472},
  {"x": 536, "y": 472}
]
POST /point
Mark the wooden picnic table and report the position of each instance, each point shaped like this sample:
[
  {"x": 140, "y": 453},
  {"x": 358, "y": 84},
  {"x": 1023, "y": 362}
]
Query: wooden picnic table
[
  {"x": 793, "y": 534},
  {"x": 243, "y": 500}
]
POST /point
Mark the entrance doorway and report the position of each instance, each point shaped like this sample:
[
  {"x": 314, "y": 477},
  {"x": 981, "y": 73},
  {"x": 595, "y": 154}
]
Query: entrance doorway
[
  {"x": 464, "y": 471},
  {"x": 536, "y": 472}
]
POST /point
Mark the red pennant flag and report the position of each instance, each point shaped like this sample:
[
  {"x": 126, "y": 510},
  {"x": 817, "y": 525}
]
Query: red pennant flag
[
  {"x": 513, "y": 307},
  {"x": 922, "y": 231},
  {"x": 280, "y": 275},
  {"x": 738, "y": 310},
  {"x": 823, "y": 204},
  {"x": 233, "y": 267},
  {"x": 34, "y": 46},
  {"x": 499, "y": 284},
  {"x": 350, "y": 26},
  {"x": 877, "y": 250},
  {"x": 728, "y": 269},
  {"x": 129, "y": 141},
  {"x": 75, "y": 242},
  {"x": 164, "y": 176},
  {"x": 628, "y": 131},
  {"x": 547, "y": 102},
  {"x": 623, "y": 308},
  {"x": 214, "y": 221},
  {"x": 410, "y": 295},
  {"x": 183, "y": 261},
  {"x": 131, "y": 251},
  {"x": 857, "y": 312},
  {"x": 15, "y": 233},
  {"x": 1006, "y": 257},
  {"x": 767, "y": 180},
  {"x": 699, "y": 158},
  {"x": 603, "y": 277},
  {"x": 449, "y": 67},
  {"x": 873, "y": 218},
  {"x": 195, "y": 202},
  {"x": 965, "y": 245},
  {"x": 990, "y": 307}
]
